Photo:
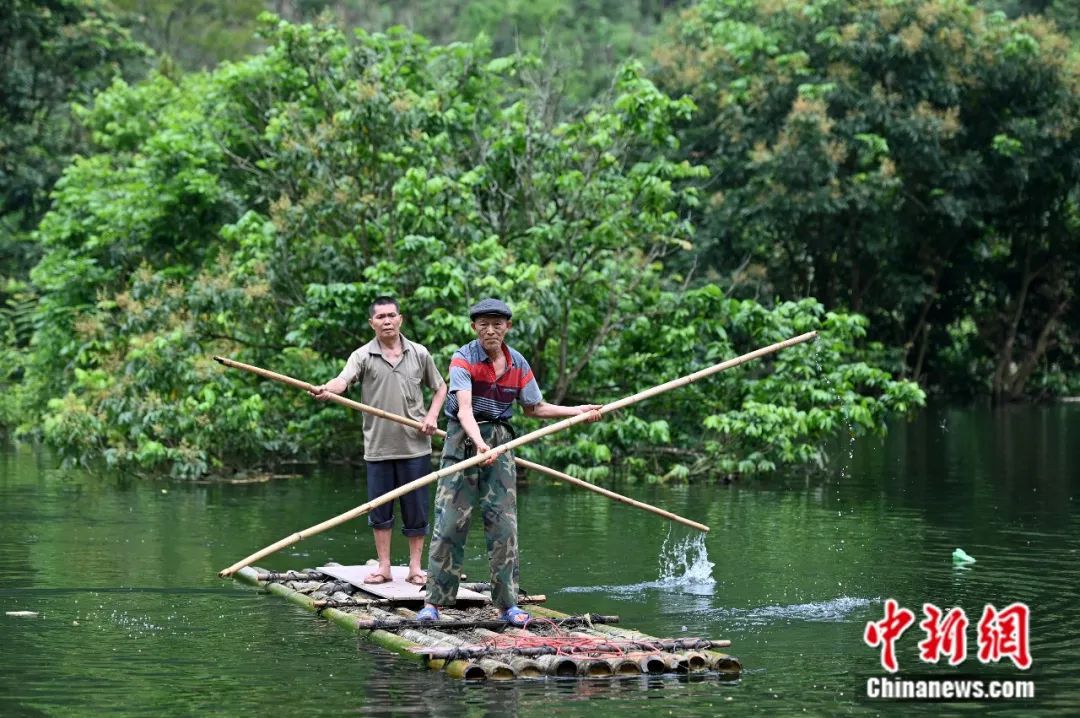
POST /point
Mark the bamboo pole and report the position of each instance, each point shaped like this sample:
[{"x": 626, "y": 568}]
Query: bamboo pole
[
  {"x": 651, "y": 663},
  {"x": 560, "y": 666},
  {"x": 597, "y": 645},
  {"x": 456, "y": 625},
  {"x": 539, "y": 468},
  {"x": 361, "y": 603},
  {"x": 525, "y": 667},
  {"x": 349, "y": 621},
  {"x": 294, "y": 576},
  {"x": 625, "y": 667},
  {"x": 594, "y": 667},
  {"x": 723, "y": 663},
  {"x": 497, "y": 670},
  {"x": 513, "y": 444},
  {"x": 691, "y": 662}
]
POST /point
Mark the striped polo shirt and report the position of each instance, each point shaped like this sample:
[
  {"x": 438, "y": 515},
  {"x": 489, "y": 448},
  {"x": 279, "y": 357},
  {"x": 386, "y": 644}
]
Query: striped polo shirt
[{"x": 492, "y": 397}]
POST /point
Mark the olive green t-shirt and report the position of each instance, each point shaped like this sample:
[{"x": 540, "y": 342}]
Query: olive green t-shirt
[{"x": 396, "y": 389}]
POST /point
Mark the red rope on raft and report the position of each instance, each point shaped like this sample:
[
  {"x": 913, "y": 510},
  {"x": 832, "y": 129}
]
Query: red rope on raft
[{"x": 565, "y": 644}]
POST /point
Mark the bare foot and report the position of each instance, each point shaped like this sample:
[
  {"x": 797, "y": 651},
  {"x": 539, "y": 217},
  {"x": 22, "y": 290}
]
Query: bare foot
[{"x": 374, "y": 578}]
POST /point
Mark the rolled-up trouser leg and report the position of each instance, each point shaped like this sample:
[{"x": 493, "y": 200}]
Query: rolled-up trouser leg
[
  {"x": 414, "y": 505},
  {"x": 380, "y": 480}
]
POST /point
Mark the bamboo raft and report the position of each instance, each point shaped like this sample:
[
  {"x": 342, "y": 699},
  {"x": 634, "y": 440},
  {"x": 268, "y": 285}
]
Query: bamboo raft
[{"x": 469, "y": 641}]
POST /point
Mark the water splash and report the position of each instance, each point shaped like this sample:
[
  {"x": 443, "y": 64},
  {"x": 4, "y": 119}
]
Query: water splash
[
  {"x": 684, "y": 565},
  {"x": 685, "y": 562},
  {"x": 136, "y": 626}
]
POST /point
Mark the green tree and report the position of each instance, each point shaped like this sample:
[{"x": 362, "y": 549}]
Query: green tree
[
  {"x": 1065, "y": 14},
  {"x": 779, "y": 411},
  {"x": 581, "y": 41},
  {"x": 912, "y": 161},
  {"x": 194, "y": 34},
  {"x": 53, "y": 53},
  {"x": 256, "y": 210}
]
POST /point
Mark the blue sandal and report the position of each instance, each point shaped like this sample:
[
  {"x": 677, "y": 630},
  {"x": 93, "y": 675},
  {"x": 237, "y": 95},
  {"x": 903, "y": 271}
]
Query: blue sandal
[
  {"x": 428, "y": 613},
  {"x": 515, "y": 617}
]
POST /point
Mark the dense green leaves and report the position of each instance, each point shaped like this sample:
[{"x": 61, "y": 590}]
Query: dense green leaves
[
  {"x": 54, "y": 53},
  {"x": 751, "y": 419},
  {"x": 913, "y": 161},
  {"x": 194, "y": 34},
  {"x": 581, "y": 41},
  {"x": 255, "y": 211}
]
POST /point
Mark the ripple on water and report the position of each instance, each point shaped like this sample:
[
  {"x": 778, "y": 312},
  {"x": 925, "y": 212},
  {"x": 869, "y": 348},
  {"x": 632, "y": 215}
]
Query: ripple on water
[{"x": 836, "y": 610}]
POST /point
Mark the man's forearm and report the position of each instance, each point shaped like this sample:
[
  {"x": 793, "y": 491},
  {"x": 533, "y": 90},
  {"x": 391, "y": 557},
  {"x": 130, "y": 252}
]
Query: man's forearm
[
  {"x": 544, "y": 410},
  {"x": 469, "y": 425},
  {"x": 337, "y": 385},
  {"x": 437, "y": 401}
]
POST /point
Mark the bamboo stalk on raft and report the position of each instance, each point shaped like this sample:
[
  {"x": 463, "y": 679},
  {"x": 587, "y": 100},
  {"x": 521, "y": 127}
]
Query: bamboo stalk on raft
[
  {"x": 540, "y": 468},
  {"x": 513, "y": 444}
]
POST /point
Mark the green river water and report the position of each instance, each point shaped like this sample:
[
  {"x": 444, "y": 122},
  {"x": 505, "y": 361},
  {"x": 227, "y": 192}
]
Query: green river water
[{"x": 133, "y": 620}]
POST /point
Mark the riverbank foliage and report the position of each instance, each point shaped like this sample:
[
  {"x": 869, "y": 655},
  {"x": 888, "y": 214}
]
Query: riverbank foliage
[
  {"x": 916, "y": 162},
  {"x": 902, "y": 176},
  {"x": 254, "y": 211},
  {"x": 55, "y": 53}
]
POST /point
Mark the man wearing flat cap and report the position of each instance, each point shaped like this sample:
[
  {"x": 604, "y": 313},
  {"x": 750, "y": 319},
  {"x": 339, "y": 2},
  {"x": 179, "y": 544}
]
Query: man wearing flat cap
[{"x": 486, "y": 377}]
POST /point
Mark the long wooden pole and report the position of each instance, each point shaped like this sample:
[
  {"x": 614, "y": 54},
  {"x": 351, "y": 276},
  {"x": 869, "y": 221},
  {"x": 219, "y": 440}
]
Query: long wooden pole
[
  {"x": 513, "y": 444},
  {"x": 267, "y": 374}
]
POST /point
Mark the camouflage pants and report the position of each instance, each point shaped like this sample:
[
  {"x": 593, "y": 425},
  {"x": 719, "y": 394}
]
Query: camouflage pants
[{"x": 494, "y": 488}]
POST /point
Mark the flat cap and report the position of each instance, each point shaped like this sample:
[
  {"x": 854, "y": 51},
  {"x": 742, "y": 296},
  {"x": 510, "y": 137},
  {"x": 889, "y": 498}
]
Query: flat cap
[{"x": 490, "y": 306}]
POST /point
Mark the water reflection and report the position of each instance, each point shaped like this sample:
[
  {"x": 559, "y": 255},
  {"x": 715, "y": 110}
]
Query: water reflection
[{"x": 133, "y": 620}]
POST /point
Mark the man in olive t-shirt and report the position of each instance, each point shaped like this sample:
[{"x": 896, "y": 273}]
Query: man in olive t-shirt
[{"x": 392, "y": 371}]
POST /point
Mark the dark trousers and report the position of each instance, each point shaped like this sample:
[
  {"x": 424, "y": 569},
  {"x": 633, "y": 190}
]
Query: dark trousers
[{"x": 384, "y": 476}]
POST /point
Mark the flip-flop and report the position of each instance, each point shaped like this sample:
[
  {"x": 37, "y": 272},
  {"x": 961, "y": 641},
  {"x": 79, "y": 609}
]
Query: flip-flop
[
  {"x": 428, "y": 613},
  {"x": 376, "y": 578},
  {"x": 417, "y": 579},
  {"x": 515, "y": 617}
]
